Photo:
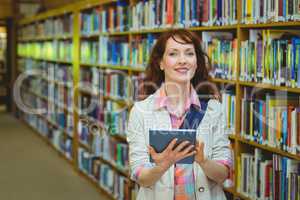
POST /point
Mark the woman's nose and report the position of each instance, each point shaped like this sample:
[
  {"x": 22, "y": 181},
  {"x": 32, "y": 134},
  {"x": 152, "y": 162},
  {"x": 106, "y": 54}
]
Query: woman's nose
[{"x": 182, "y": 59}]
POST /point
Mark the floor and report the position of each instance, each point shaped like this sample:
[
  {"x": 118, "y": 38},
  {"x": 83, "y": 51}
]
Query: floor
[{"x": 31, "y": 170}]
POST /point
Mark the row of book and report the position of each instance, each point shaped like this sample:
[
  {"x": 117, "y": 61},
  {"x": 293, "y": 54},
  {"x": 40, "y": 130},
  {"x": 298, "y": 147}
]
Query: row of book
[
  {"x": 102, "y": 145},
  {"x": 109, "y": 19},
  {"x": 268, "y": 177},
  {"x": 152, "y": 14},
  {"x": 116, "y": 52},
  {"x": 114, "y": 151},
  {"x": 256, "y": 11},
  {"x": 228, "y": 106},
  {"x": 59, "y": 72},
  {"x": 111, "y": 83},
  {"x": 56, "y": 26},
  {"x": 271, "y": 56},
  {"x": 37, "y": 85},
  {"x": 30, "y": 66},
  {"x": 58, "y": 117},
  {"x": 102, "y": 173},
  {"x": 105, "y": 51},
  {"x": 141, "y": 49},
  {"x": 55, "y": 136},
  {"x": 54, "y": 99},
  {"x": 116, "y": 85},
  {"x": 179, "y": 13},
  {"x": 33, "y": 100},
  {"x": 115, "y": 117},
  {"x": 89, "y": 133},
  {"x": 273, "y": 121},
  {"x": 112, "y": 114},
  {"x": 91, "y": 107},
  {"x": 221, "y": 48},
  {"x": 167, "y": 13},
  {"x": 54, "y": 50},
  {"x": 113, "y": 51},
  {"x": 60, "y": 95},
  {"x": 52, "y": 93}
]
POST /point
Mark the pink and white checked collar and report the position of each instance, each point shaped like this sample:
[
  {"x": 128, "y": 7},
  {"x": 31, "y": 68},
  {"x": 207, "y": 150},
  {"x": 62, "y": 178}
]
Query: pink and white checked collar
[{"x": 161, "y": 99}]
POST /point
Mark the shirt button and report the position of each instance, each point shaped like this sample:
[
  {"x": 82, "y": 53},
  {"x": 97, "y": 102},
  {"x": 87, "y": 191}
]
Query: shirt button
[{"x": 201, "y": 189}]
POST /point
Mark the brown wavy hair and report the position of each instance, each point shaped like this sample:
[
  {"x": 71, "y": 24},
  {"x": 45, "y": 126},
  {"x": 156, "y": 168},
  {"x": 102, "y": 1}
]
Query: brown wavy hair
[{"x": 201, "y": 80}]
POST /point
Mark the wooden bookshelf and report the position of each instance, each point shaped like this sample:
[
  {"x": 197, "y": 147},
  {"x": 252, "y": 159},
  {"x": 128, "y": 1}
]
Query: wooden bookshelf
[
  {"x": 269, "y": 86},
  {"x": 219, "y": 80},
  {"x": 114, "y": 166},
  {"x": 269, "y": 149},
  {"x": 59, "y": 105},
  {"x": 49, "y": 60},
  {"x": 156, "y": 30},
  {"x": 240, "y": 32},
  {"x": 114, "y": 67},
  {"x": 271, "y": 25},
  {"x": 47, "y": 38}
]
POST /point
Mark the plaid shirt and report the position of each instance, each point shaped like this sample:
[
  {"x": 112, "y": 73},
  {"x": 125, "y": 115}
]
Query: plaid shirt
[{"x": 184, "y": 177}]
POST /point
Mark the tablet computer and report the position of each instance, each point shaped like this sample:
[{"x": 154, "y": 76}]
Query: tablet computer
[{"x": 159, "y": 139}]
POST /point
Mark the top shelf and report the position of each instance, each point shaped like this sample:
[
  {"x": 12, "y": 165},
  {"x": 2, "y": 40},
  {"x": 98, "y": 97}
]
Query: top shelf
[
  {"x": 271, "y": 25},
  {"x": 77, "y": 6},
  {"x": 160, "y": 30}
]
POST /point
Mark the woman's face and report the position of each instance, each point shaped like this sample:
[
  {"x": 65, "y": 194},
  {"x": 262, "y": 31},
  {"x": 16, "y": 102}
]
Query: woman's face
[{"x": 179, "y": 61}]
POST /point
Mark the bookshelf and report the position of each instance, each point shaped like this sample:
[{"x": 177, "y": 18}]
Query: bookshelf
[{"x": 99, "y": 60}]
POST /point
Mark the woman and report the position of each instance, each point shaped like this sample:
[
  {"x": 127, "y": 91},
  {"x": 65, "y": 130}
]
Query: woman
[{"x": 176, "y": 69}]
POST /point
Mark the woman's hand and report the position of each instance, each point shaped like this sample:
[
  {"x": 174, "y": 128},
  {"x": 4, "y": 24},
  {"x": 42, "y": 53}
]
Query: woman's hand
[
  {"x": 199, "y": 157},
  {"x": 170, "y": 155}
]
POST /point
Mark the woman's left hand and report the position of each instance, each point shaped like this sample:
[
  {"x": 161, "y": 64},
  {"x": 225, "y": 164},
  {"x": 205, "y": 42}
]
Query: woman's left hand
[{"x": 199, "y": 156}]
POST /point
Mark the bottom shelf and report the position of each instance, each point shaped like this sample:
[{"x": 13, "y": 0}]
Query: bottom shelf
[
  {"x": 95, "y": 184},
  {"x": 48, "y": 143}
]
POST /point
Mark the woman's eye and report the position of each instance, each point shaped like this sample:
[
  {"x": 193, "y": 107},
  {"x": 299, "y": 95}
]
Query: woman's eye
[
  {"x": 172, "y": 54},
  {"x": 190, "y": 53}
]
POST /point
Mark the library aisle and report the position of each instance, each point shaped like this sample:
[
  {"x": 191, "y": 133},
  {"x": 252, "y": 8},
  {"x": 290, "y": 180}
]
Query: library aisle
[{"x": 31, "y": 170}]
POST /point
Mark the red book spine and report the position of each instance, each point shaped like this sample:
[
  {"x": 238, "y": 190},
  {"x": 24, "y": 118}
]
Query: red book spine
[
  {"x": 170, "y": 11},
  {"x": 280, "y": 8},
  {"x": 205, "y": 11},
  {"x": 268, "y": 170}
]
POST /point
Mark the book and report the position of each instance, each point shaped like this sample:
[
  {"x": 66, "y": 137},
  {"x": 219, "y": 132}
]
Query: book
[{"x": 159, "y": 139}]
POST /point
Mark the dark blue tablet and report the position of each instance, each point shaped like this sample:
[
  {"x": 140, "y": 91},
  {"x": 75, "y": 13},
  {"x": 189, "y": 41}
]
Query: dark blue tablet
[{"x": 160, "y": 139}]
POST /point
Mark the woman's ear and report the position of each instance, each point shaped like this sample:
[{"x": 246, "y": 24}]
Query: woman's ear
[{"x": 161, "y": 67}]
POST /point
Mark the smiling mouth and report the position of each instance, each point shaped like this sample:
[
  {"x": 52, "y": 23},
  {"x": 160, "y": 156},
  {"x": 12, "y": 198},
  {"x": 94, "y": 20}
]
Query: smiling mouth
[{"x": 182, "y": 70}]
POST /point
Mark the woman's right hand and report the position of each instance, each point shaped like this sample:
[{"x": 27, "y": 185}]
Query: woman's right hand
[{"x": 171, "y": 155}]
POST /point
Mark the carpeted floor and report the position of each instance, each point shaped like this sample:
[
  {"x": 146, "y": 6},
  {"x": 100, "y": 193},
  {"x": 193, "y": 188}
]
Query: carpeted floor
[{"x": 31, "y": 170}]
